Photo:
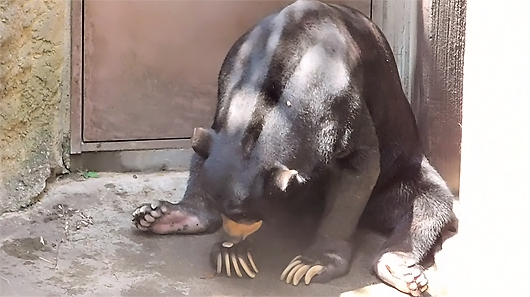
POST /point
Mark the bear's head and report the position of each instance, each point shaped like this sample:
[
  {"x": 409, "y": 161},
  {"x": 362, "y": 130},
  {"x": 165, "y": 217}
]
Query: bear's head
[{"x": 241, "y": 185}]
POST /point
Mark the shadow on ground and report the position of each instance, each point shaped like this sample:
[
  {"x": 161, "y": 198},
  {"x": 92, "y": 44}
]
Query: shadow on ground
[{"x": 79, "y": 241}]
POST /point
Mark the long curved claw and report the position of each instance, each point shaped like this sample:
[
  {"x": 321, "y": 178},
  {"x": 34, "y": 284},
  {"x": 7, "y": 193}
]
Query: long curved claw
[
  {"x": 219, "y": 264},
  {"x": 312, "y": 272},
  {"x": 246, "y": 268},
  {"x": 251, "y": 261},
  {"x": 297, "y": 269},
  {"x": 236, "y": 266},
  {"x": 227, "y": 264},
  {"x": 300, "y": 273},
  {"x": 292, "y": 264},
  {"x": 296, "y": 258},
  {"x": 290, "y": 276}
]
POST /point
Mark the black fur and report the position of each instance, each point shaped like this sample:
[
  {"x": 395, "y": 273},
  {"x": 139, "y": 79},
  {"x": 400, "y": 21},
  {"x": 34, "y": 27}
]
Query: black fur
[{"x": 344, "y": 125}]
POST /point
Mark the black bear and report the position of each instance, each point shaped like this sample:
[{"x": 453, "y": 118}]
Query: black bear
[{"x": 312, "y": 122}]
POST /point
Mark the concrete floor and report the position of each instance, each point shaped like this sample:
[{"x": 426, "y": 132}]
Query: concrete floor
[{"x": 79, "y": 241}]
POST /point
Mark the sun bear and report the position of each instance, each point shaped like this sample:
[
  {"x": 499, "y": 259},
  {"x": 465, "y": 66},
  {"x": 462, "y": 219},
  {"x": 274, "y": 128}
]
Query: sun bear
[{"x": 312, "y": 121}]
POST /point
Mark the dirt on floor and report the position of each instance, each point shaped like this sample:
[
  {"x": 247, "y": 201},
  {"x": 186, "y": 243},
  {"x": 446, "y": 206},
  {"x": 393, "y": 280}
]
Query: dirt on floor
[{"x": 79, "y": 241}]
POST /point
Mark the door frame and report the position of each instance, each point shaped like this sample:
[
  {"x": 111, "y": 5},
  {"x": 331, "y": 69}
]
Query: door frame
[{"x": 393, "y": 17}]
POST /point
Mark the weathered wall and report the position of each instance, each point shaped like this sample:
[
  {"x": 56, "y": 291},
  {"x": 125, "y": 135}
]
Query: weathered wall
[
  {"x": 34, "y": 71},
  {"x": 437, "y": 93}
]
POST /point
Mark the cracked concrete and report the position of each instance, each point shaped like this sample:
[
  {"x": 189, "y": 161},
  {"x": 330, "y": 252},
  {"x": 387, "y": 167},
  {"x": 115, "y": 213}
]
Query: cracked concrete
[{"x": 79, "y": 241}]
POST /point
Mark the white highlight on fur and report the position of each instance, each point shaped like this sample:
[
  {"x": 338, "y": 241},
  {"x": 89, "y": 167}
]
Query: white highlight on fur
[
  {"x": 320, "y": 73},
  {"x": 301, "y": 7},
  {"x": 244, "y": 51},
  {"x": 326, "y": 136},
  {"x": 240, "y": 110},
  {"x": 317, "y": 65},
  {"x": 243, "y": 103},
  {"x": 276, "y": 127}
]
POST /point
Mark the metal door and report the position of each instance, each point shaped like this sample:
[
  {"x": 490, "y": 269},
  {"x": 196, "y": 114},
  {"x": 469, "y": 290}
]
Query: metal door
[{"x": 149, "y": 68}]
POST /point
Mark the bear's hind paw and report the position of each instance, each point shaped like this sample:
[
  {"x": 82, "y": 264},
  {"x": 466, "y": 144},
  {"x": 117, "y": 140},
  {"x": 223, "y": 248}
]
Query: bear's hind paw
[
  {"x": 402, "y": 272},
  {"x": 164, "y": 217}
]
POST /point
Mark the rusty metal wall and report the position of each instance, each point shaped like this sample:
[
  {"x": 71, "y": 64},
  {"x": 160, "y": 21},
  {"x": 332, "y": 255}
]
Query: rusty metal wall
[{"x": 150, "y": 67}]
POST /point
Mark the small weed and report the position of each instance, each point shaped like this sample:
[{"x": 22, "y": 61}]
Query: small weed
[{"x": 89, "y": 174}]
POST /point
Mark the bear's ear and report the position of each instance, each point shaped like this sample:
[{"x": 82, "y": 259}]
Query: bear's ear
[
  {"x": 201, "y": 141},
  {"x": 284, "y": 176}
]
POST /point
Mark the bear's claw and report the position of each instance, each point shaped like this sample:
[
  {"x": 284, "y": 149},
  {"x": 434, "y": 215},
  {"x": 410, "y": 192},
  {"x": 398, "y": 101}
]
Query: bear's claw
[
  {"x": 296, "y": 269},
  {"x": 233, "y": 256},
  {"x": 324, "y": 260}
]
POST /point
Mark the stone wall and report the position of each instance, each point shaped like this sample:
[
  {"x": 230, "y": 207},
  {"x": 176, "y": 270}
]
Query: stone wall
[{"x": 34, "y": 97}]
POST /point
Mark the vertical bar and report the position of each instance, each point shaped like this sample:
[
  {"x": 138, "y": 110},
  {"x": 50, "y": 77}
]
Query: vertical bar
[{"x": 76, "y": 80}]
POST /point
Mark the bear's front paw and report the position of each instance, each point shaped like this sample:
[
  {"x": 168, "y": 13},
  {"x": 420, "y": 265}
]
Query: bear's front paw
[
  {"x": 232, "y": 256},
  {"x": 323, "y": 261}
]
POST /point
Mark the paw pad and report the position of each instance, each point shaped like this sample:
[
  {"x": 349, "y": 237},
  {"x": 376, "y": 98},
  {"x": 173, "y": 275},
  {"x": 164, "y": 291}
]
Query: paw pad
[{"x": 401, "y": 272}]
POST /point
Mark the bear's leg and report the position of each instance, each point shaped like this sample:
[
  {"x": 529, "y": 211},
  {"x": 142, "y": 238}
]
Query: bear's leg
[
  {"x": 329, "y": 256},
  {"x": 416, "y": 231},
  {"x": 192, "y": 215}
]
